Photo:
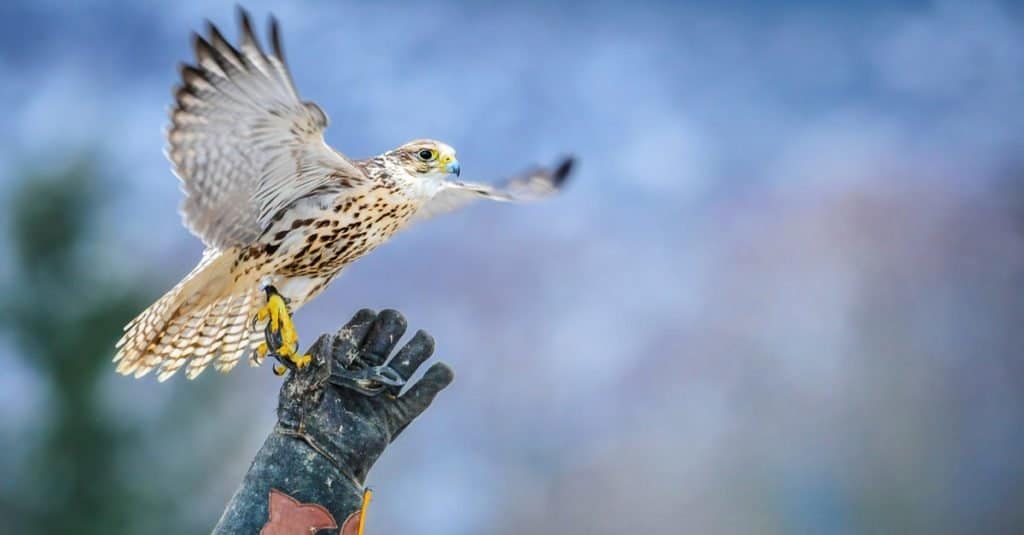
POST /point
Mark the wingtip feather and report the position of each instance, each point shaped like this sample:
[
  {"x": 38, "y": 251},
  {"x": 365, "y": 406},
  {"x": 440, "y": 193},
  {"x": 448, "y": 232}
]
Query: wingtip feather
[
  {"x": 244, "y": 20},
  {"x": 248, "y": 33},
  {"x": 562, "y": 171},
  {"x": 275, "y": 38}
]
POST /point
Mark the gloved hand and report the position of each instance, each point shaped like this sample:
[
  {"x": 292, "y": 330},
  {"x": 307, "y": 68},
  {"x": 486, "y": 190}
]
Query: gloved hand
[
  {"x": 328, "y": 436},
  {"x": 357, "y": 428}
]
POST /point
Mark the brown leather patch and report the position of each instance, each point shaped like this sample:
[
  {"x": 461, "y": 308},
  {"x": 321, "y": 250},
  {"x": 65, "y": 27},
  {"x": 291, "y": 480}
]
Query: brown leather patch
[
  {"x": 351, "y": 525},
  {"x": 289, "y": 517}
]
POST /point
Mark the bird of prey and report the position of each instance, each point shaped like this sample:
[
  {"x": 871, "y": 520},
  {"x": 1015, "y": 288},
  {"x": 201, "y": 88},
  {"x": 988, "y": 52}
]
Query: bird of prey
[{"x": 280, "y": 212}]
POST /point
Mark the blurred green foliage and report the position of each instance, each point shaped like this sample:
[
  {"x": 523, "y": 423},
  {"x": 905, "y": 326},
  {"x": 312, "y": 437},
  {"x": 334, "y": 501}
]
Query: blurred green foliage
[{"x": 65, "y": 315}]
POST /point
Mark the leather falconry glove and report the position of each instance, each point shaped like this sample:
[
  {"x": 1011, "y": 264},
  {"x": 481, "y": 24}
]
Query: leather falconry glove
[{"x": 310, "y": 473}]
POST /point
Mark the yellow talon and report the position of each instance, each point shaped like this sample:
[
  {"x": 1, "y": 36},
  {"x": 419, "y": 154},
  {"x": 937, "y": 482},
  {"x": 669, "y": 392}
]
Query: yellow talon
[
  {"x": 279, "y": 324},
  {"x": 260, "y": 353},
  {"x": 279, "y": 321},
  {"x": 280, "y": 369},
  {"x": 301, "y": 361}
]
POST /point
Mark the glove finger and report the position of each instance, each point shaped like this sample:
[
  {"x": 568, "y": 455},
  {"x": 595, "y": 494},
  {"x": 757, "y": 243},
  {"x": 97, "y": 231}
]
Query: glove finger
[
  {"x": 384, "y": 335},
  {"x": 351, "y": 337},
  {"x": 410, "y": 357},
  {"x": 421, "y": 395}
]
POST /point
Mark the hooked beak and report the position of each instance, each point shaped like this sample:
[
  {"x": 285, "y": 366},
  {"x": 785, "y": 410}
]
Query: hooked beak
[{"x": 450, "y": 164}]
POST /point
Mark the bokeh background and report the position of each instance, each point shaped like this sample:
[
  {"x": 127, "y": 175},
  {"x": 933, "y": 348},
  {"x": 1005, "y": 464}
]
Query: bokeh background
[{"x": 782, "y": 294}]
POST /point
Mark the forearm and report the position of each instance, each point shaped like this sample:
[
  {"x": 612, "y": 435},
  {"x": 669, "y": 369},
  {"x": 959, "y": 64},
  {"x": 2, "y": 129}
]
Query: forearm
[{"x": 295, "y": 468}]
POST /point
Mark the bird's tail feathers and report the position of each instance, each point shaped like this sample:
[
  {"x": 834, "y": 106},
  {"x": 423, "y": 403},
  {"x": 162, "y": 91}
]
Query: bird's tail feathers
[{"x": 203, "y": 320}]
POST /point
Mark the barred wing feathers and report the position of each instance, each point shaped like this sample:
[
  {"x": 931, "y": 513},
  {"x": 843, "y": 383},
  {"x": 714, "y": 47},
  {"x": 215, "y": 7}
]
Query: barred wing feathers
[{"x": 242, "y": 141}]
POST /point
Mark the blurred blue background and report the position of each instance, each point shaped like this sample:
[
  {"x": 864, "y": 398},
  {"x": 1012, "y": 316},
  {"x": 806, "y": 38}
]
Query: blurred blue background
[{"x": 781, "y": 295}]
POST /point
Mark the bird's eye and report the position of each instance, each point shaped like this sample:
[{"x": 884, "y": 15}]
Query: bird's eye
[{"x": 426, "y": 155}]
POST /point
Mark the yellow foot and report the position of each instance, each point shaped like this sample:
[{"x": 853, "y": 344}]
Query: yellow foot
[
  {"x": 300, "y": 361},
  {"x": 282, "y": 339},
  {"x": 279, "y": 321},
  {"x": 260, "y": 354}
]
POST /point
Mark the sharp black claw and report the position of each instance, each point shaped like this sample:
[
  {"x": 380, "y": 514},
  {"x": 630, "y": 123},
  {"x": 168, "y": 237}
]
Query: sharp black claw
[
  {"x": 273, "y": 340},
  {"x": 283, "y": 361}
]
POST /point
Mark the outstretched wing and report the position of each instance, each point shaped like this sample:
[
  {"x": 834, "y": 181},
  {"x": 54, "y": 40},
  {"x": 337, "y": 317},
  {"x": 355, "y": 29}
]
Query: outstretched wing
[
  {"x": 242, "y": 141},
  {"x": 530, "y": 186}
]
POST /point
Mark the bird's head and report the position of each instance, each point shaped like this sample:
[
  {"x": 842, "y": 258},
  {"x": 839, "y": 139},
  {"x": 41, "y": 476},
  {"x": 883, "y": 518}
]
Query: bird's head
[{"x": 426, "y": 158}]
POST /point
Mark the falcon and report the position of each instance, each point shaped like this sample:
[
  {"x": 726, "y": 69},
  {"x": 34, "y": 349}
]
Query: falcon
[{"x": 281, "y": 213}]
